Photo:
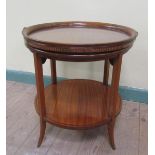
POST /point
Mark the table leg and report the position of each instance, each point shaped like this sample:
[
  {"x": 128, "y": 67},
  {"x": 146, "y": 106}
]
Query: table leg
[
  {"x": 40, "y": 95},
  {"x": 114, "y": 93},
  {"x": 106, "y": 72},
  {"x": 54, "y": 76},
  {"x": 53, "y": 71}
]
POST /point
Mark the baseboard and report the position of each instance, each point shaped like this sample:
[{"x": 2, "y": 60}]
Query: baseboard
[{"x": 127, "y": 93}]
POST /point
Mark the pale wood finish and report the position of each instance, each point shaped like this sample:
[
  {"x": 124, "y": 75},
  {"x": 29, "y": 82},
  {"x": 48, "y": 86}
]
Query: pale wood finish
[
  {"x": 71, "y": 140},
  {"x": 143, "y": 137},
  {"x": 29, "y": 147},
  {"x": 19, "y": 102},
  {"x": 128, "y": 132},
  {"x": 22, "y": 133}
]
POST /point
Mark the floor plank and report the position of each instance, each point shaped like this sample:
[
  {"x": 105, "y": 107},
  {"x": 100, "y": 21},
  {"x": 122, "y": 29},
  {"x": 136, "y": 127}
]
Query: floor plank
[
  {"x": 127, "y": 130},
  {"x": 92, "y": 140},
  {"x": 19, "y": 117},
  {"x": 67, "y": 143},
  {"x": 17, "y": 92},
  {"x": 143, "y": 139},
  {"x": 23, "y": 105},
  {"x": 29, "y": 147}
]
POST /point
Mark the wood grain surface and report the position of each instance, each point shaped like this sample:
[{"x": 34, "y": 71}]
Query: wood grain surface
[
  {"x": 78, "y": 104},
  {"x": 79, "y": 37}
]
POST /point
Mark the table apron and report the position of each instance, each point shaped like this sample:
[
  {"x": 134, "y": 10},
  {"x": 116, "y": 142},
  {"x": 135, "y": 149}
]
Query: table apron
[{"x": 78, "y": 58}]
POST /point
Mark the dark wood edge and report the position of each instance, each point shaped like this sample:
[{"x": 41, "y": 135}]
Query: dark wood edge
[
  {"x": 88, "y": 49},
  {"x": 77, "y": 48},
  {"x": 78, "y": 58}
]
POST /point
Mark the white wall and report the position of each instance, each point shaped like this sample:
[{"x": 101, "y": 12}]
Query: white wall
[{"x": 133, "y": 13}]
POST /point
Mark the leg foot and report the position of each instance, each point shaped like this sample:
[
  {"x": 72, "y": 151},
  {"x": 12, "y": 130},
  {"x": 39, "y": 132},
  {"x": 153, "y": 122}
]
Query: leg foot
[
  {"x": 111, "y": 134},
  {"x": 42, "y": 133}
]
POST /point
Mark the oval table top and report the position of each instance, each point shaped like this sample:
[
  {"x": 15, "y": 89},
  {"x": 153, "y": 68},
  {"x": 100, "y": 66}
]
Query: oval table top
[{"x": 79, "y": 38}]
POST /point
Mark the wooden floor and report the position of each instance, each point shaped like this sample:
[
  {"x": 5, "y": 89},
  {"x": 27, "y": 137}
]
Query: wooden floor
[{"x": 23, "y": 130}]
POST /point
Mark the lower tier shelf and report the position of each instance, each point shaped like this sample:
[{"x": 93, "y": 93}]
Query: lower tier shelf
[{"x": 78, "y": 104}]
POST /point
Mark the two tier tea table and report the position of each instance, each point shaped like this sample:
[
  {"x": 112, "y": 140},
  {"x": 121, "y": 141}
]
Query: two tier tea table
[{"x": 78, "y": 103}]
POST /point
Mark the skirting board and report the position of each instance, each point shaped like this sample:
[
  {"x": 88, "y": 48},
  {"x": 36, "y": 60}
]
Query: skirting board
[{"x": 127, "y": 93}]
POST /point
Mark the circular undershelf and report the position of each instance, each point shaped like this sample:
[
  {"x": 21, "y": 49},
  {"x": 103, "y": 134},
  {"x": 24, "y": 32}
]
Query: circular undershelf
[{"x": 78, "y": 104}]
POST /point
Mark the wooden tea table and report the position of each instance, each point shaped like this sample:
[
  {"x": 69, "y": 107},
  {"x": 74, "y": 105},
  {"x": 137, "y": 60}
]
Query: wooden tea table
[{"x": 78, "y": 103}]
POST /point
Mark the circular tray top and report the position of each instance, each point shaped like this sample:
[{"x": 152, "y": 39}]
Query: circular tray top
[{"x": 79, "y": 37}]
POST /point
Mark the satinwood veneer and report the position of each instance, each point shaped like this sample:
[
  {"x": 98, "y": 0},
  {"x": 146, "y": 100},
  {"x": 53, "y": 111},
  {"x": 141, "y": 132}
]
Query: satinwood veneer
[{"x": 78, "y": 104}]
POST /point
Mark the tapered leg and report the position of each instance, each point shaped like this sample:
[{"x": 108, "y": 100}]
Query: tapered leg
[
  {"x": 114, "y": 93},
  {"x": 111, "y": 133},
  {"x": 40, "y": 95},
  {"x": 106, "y": 72},
  {"x": 42, "y": 132},
  {"x": 53, "y": 71}
]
